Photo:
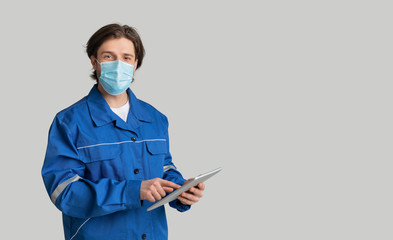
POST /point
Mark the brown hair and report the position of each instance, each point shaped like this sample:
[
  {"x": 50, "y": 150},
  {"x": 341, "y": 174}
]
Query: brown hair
[{"x": 112, "y": 31}]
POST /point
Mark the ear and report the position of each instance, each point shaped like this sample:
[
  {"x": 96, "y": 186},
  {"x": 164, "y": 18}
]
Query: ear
[{"x": 93, "y": 62}]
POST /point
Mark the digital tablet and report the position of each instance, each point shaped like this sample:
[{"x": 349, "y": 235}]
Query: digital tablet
[{"x": 193, "y": 182}]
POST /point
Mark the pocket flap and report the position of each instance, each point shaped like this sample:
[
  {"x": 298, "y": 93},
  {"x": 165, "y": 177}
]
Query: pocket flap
[
  {"x": 99, "y": 153},
  {"x": 156, "y": 147}
]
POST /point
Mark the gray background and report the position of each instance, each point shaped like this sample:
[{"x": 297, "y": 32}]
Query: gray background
[{"x": 292, "y": 98}]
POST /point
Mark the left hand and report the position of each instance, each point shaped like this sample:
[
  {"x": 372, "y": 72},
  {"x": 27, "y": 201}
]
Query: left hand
[{"x": 192, "y": 195}]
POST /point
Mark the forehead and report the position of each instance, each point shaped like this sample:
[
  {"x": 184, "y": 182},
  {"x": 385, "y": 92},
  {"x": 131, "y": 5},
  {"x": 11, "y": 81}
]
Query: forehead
[{"x": 117, "y": 45}]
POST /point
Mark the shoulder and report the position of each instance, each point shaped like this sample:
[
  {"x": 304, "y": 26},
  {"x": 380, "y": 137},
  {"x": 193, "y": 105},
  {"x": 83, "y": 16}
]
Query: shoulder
[
  {"x": 154, "y": 112},
  {"x": 73, "y": 112}
]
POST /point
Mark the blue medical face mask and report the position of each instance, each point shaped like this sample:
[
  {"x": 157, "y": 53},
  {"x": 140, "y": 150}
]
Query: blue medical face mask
[{"x": 116, "y": 76}]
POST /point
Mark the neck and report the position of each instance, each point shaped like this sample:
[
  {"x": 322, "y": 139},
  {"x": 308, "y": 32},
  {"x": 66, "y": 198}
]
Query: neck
[{"x": 114, "y": 101}]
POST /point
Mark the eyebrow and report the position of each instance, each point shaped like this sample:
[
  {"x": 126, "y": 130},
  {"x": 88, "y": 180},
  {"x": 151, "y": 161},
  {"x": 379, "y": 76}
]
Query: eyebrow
[
  {"x": 126, "y": 54},
  {"x": 107, "y": 52}
]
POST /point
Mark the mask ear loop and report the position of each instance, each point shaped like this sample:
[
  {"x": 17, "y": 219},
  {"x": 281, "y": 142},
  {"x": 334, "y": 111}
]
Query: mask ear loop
[
  {"x": 134, "y": 70},
  {"x": 98, "y": 63}
]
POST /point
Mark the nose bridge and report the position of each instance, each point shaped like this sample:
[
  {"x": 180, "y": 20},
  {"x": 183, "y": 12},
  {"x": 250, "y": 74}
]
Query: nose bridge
[
  {"x": 117, "y": 63},
  {"x": 114, "y": 66},
  {"x": 117, "y": 55}
]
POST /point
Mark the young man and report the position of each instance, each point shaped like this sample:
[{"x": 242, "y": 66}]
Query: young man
[{"x": 108, "y": 155}]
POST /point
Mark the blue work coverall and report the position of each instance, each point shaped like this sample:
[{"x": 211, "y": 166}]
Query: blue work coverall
[{"x": 95, "y": 163}]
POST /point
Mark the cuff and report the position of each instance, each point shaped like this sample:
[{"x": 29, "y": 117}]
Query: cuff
[
  {"x": 133, "y": 194},
  {"x": 179, "y": 206}
]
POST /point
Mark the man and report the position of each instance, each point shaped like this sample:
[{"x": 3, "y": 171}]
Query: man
[{"x": 108, "y": 155}]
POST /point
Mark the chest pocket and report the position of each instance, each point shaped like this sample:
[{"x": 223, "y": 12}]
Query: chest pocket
[
  {"x": 158, "y": 151},
  {"x": 102, "y": 162},
  {"x": 99, "y": 153},
  {"x": 156, "y": 147}
]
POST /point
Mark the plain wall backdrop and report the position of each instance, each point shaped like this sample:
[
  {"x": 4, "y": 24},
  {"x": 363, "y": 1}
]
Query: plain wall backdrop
[{"x": 292, "y": 98}]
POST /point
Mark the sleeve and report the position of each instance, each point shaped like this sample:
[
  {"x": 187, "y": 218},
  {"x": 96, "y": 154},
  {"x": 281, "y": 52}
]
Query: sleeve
[
  {"x": 74, "y": 195},
  {"x": 172, "y": 174}
]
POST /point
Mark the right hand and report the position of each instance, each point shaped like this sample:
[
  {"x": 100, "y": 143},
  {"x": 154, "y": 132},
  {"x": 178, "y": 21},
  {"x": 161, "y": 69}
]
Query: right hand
[{"x": 155, "y": 189}]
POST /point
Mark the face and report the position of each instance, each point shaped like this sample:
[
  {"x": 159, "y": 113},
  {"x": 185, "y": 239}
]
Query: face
[{"x": 112, "y": 50}]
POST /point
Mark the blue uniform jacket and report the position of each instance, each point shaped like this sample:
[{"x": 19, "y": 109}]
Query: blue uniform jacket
[{"x": 95, "y": 163}]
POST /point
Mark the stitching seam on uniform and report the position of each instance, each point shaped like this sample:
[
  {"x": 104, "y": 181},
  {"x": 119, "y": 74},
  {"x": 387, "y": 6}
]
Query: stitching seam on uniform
[
  {"x": 101, "y": 144},
  {"x": 79, "y": 228}
]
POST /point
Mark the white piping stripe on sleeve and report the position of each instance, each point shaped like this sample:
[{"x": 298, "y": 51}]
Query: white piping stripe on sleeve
[
  {"x": 167, "y": 167},
  {"x": 101, "y": 144},
  {"x": 56, "y": 193},
  {"x": 79, "y": 228}
]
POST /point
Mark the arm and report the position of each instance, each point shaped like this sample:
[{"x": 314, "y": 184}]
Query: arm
[
  {"x": 63, "y": 175},
  {"x": 172, "y": 174}
]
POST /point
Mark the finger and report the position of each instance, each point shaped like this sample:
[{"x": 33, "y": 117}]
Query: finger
[
  {"x": 155, "y": 194},
  {"x": 160, "y": 190},
  {"x": 201, "y": 186},
  {"x": 191, "y": 190},
  {"x": 195, "y": 189},
  {"x": 190, "y": 197},
  {"x": 196, "y": 192},
  {"x": 184, "y": 200},
  {"x": 166, "y": 183},
  {"x": 167, "y": 189},
  {"x": 150, "y": 197}
]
